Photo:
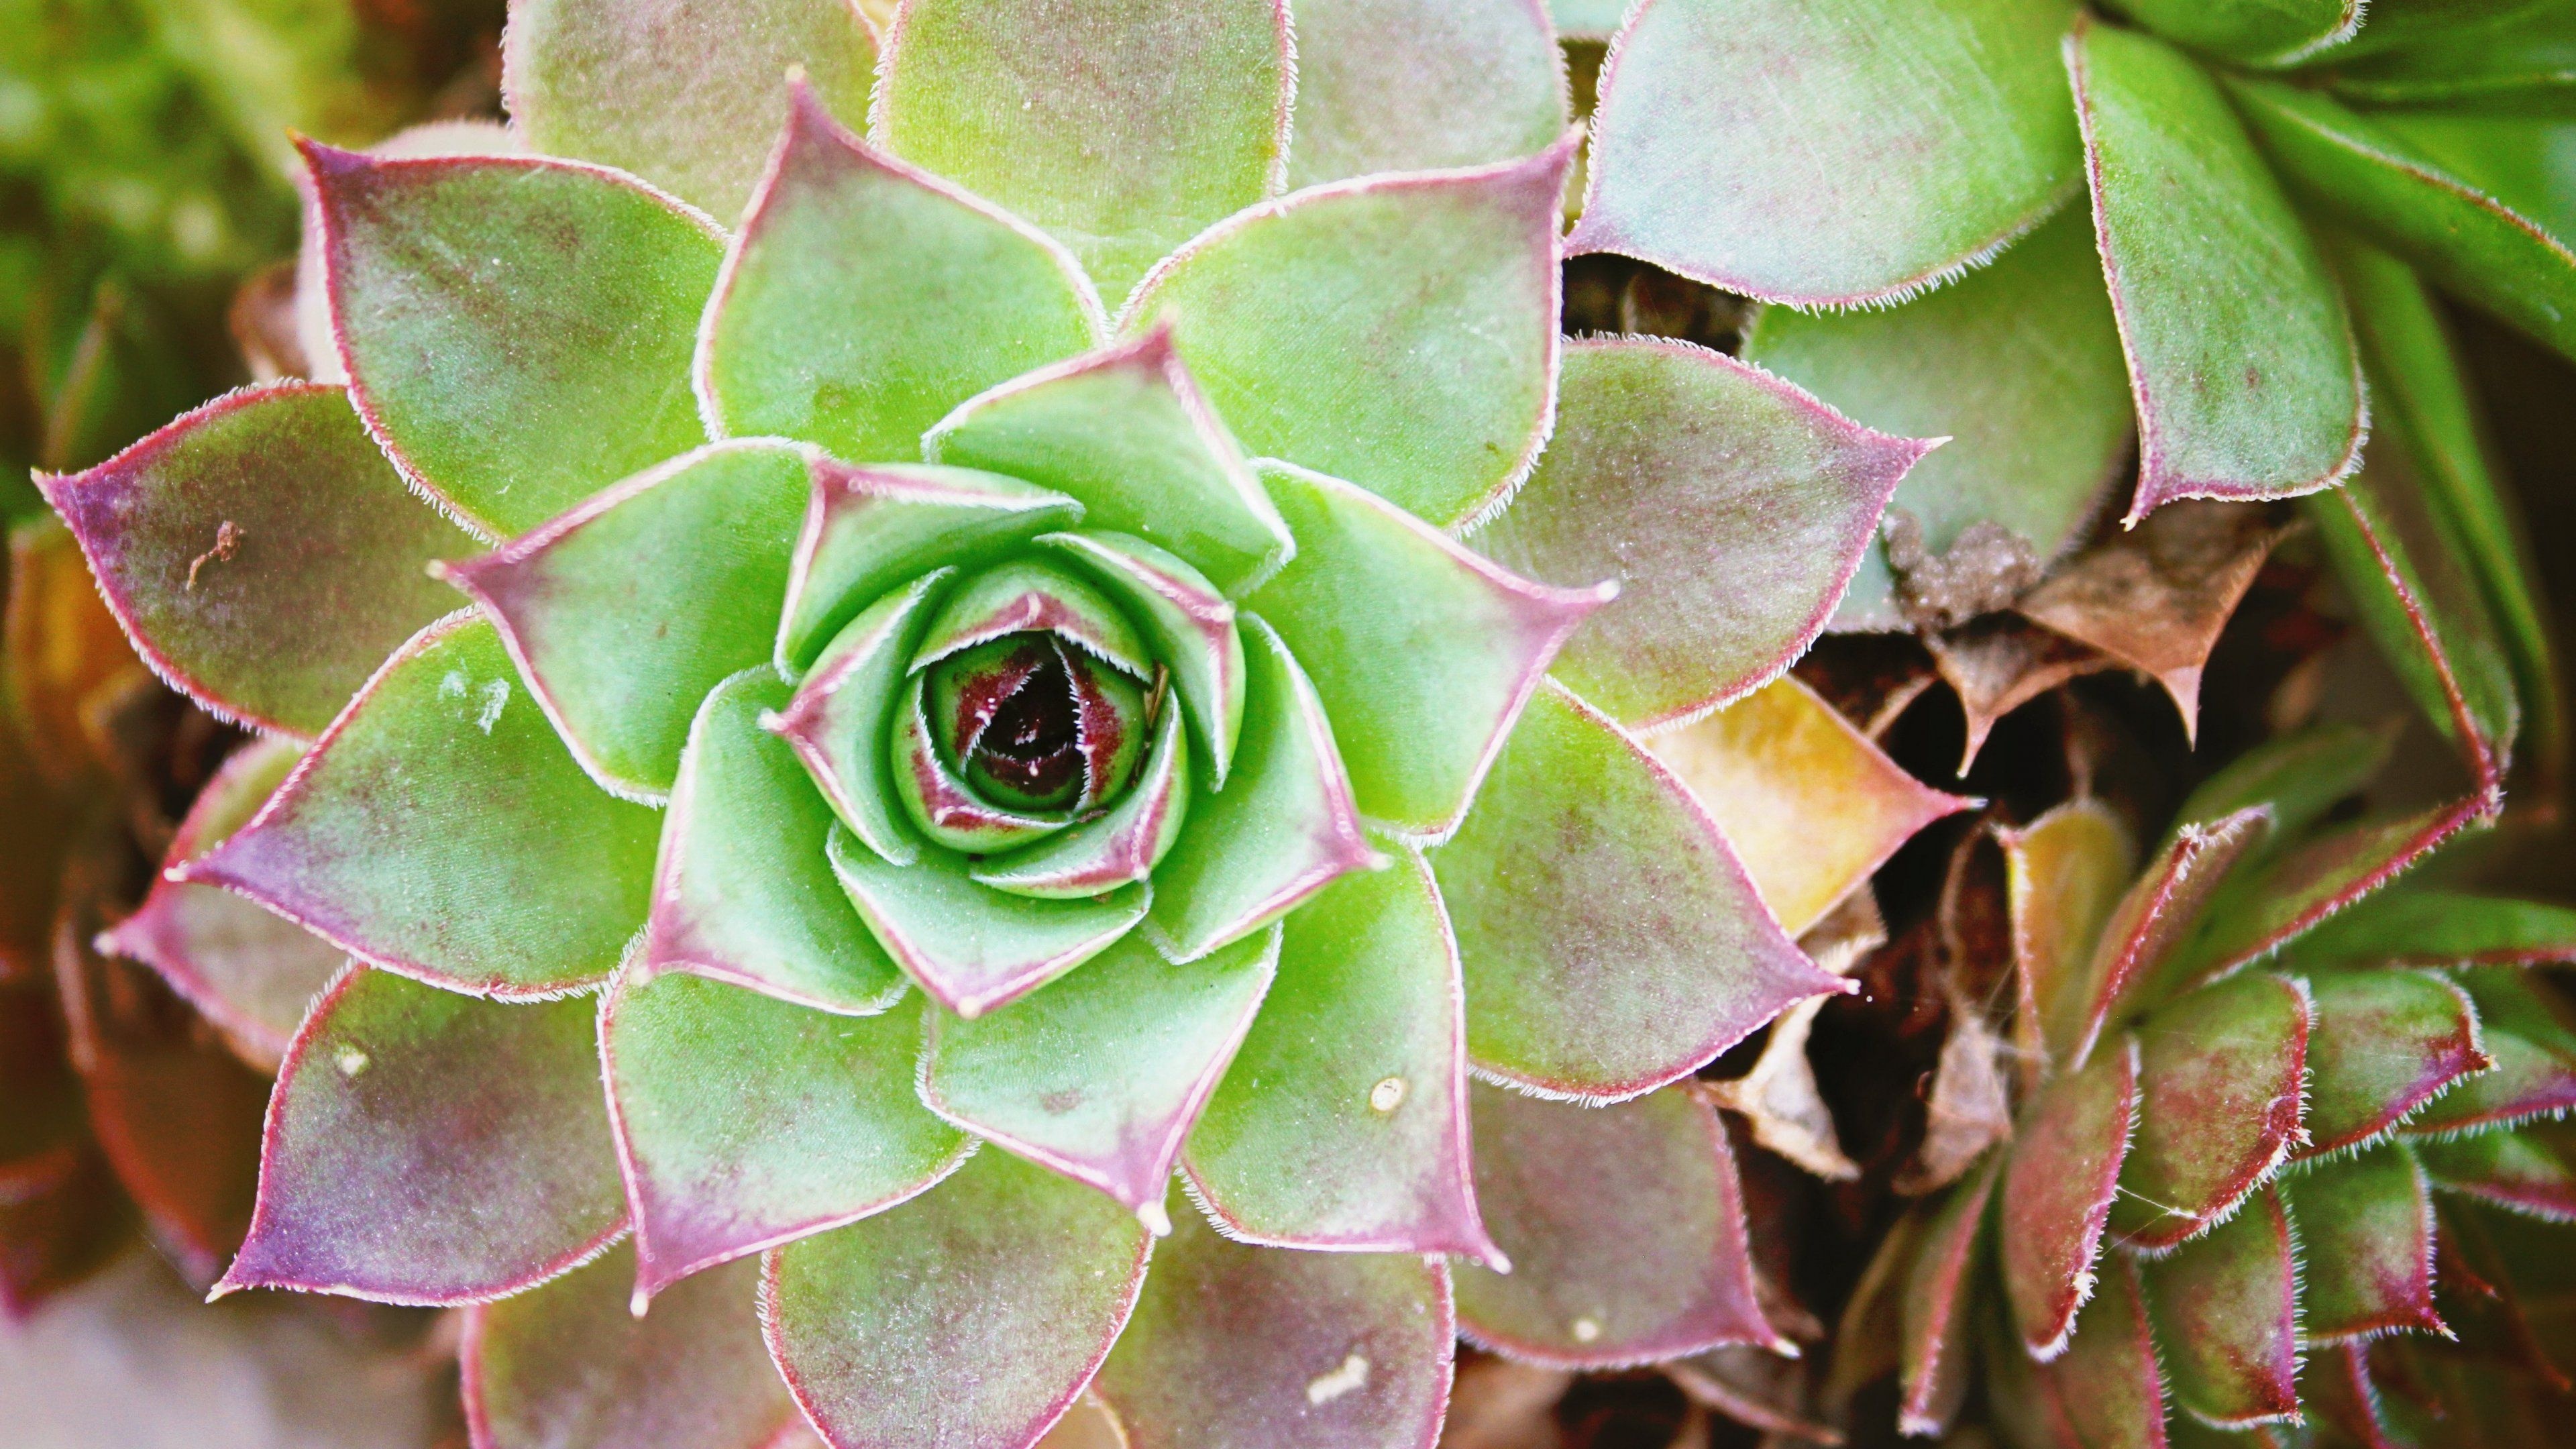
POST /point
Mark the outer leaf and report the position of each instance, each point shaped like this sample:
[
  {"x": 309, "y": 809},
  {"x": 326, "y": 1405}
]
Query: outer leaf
[
  {"x": 2385, "y": 1043},
  {"x": 425, "y": 1147},
  {"x": 2513, "y": 1170},
  {"x": 1409, "y": 85},
  {"x": 2366, "y": 1234},
  {"x": 970, "y": 1318},
  {"x": 516, "y": 331},
  {"x": 1998, "y": 663},
  {"x": 744, "y": 1122},
  {"x": 2534, "y": 1051},
  {"x": 1889, "y": 147},
  {"x": 684, "y": 93},
  {"x": 1939, "y": 1294},
  {"x": 2220, "y": 1093},
  {"x": 1177, "y": 116},
  {"x": 2521, "y": 64},
  {"x": 2057, "y": 1194},
  {"x": 2226, "y": 1307},
  {"x": 59, "y": 645},
  {"x": 1612, "y": 940},
  {"x": 1343, "y": 1123},
  {"x": 1730, "y": 508},
  {"x": 1235, "y": 1347},
  {"x": 409, "y": 835},
  {"x": 1399, "y": 331},
  {"x": 2065, "y": 874},
  {"x": 2427, "y": 926},
  {"x": 2265, "y": 32},
  {"x": 864, "y": 298},
  {"x": 2240, "y": 354},
  {"x": 1190, "y": 625},
  {"x": 260, "y": 552},
  {"x": 2107, "y": 1392},
  {"x": 1625, "y": 1227},
  {"x": 567, "y": 1367}
]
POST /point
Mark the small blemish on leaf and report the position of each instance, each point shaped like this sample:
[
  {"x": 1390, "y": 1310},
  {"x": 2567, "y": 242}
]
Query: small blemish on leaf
[
  {"x": 351, "y": 1061},
  {"x": 1388, "y": 1095},
  {"x": 1586, "y": 1330},
  {"x": 496, "y": 697},
  {"x": 1350, "y": 1378},
  {"x": 228, "y": 537}
]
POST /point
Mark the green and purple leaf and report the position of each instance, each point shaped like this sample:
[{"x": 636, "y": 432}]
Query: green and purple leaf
[
  {"x": 1414, "y": 85},
  {"x": 2434, "y": 927},
  {"x": 2517, "y": 1171},
  {"x": 2150, "y": 931},
  {"x": 836, "y": 722},
  {"x": 2107, "y": 1390},
  {"x": 2058, "y": 1192},
  {"x": 2526, "y": 1033},
  {"x": 2262, "y": 32},
  {"x": 2226, "y": 1306},
  {"x": 1190, "y": 625},
  {"x": 1938, "y": 1301},
  {"x": 2385, "y": 1043},
  {"x": 2365, "y": 1227},
  {"x": 2222, "y": 1074}
]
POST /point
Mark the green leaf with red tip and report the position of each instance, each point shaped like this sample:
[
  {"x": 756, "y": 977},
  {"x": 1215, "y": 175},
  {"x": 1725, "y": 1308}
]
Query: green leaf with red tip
[
  {"x": 836, "y": 722},
  {"x": 1625, "y": 1230},
  {"x": 1100, "y": 1076},
  {"x": 684, "y": 93},
  {"x": 1189, "y": 625},
  {"x": 408, "y": 837},
  {"x": 2262, "y": 32},
  {"x": 1343, "y": 1123},
  {"x": 872, "y": 530},
  {"x": 744, "y": 1121},
  {"x": 1026, "y": 595},
  {"x": 2534, "y": 1051},
  {"x": 2365, "y": 1227},
  {"x": 624, "y": 612},
  {"x": 1282, "y": 829},
  {"x": 1612, "y": 941},
  {"x": 2144, "y": 956},
  {"x": 2065, "y": 876},
  {"x": 1938, "y": 1298},
  {"x": 517, "y": 331},
  {"x": 2065, "y": 1170},
  {"x": 2240, "y": 353},
  {"x": 2517, "y": 1171},
  {"x": 2107, "y": 1390},
  {"x": 2385, "y": 1043},
  {"x": 566, "y": 1366},
  {"x": 2221, "y": 1074},
  {"x": 864, "y": 298},
  {"x": 427, "y": 1147},
  {"x": 1889, "y": 145},
  {"x": 1177, "y": 115},
  {"x": 1411, "y": 85},
  {"x": 2428, "y": 926},
  {"x": 970, "y": 1317},
  {"x": 1241, "y": 1346},
  {"x": 1729, "y": 507},
  {"x": 261, "y": 553},
  {"x": 1399, "y": 331},
  {"x": 1115, "y": 849},
  {"x": 1422, "y": 652},
  {"x": 2226, "y": 1309}
]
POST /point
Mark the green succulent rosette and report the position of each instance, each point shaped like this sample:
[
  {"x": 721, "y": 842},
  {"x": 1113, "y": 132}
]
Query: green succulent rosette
[{"x": 755, "y": 631}]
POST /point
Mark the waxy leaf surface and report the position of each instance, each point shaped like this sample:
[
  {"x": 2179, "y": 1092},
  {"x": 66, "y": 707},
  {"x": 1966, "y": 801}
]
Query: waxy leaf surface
[
  {"x": 2220, "y": 1089},
  {"x": 2058, "y": 1191},
  {"x": 1412, "y": 85},
  {"x": 2385, "y": 1043},
  {"x": 2226, "y": 1306},
  {"x": 2145, "y": 953},
  {"x": 2107, "y": 1390},
  {"x": 2366, "y": 1236},
  {"x": 2535, "y": 1057},
  {"x": 2285, "y": 895},
  {"x": 837, "y": 720},
  {"x": 974, "y": 948},
  {"x": 2265, "y": 32}
]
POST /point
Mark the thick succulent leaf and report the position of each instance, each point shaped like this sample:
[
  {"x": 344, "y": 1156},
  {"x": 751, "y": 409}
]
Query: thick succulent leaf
[
  {"x": 517, "y": 331},
  {"x": 1411, "y": 85},
  {"x": 684, "y": 93},
  {"x": 2057, "y": 1193},
  {"x": 971, "y": 1317},
  {"x": 1177, "y": 116},
  {"x": 1101, "y": 1076},
  {"x": 2520, "y": 63},
  {"x": 410, "y": 834},
  {"x": 1127, "y": 433},
  {"x": 427, "y": 1147},
  {"x": 1343, "y": 1123},
  {"x": 261, "y": 553},
  {"x": 624, "y": 612},
  {"x": 1191, "y": 629},
  {"x": 1810, "y": 804},
  {"x": 864, "y": 298},
  {"x": 1625, "y": 1230},
  {"x": 1422, "y": 652},
  {"x": 2299, "y": 778},
  {"x": 1613, "y": 941},
  {"x": 870, "y": 531},
  {"x": 249, "y": 972},
  {"x": 2527, "y": 1035},
  {"x": 2226, "y": 1309},
  {"x": 1399, "y": 330},
  {"x": 2107, "y": 1391},
  {"x": 2265, "y": 32},
  {"x": 1239, "y": 1347},
  {"x": 2240, "y": 353},
  {"x": 1586, "y": 19},
  {"x": 2064, "y": 876},
  {"x": 566, "y": 1366},
  {"x": 1938, "y": 1299},
  {"x": 1729, "y": 507},
  {"x": 2365, "y": 1227},
  {"x": 2384, "y": 1044},
  {"x": 836, "y": 722},
  {"x": 2220, "y": 1092},
  {"x": 1890, "y": 145},
  {"x": 2144, "y": 955},
  {"x": 2516, "y": 1171},
  {"x": 2018, "y": 363}
]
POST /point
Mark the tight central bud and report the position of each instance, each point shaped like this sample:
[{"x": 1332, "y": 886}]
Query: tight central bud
[
  {"x": 1034, "y": 725},
  {"x": 1030, "y": 747}
]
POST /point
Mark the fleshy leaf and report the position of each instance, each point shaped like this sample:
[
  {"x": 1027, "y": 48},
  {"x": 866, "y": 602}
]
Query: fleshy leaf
[
  {"x": 1939, "y": 1297},
  {"x": 2366, "y": 1235},
  {"x": 1190, "y": 626},
  {"x": 1399, "y": 331},
  {"x": 566, "y": 1365},
  {"x": 1343, "y": 1123},
  {"x": 2240, "y": 354},
  {"x": 744, "y": 1122},
  {"x": 2515, "y": 1171},
  {"x": 408, "y": 837},
  {"x": 837, "y": 721},
  {"x": 2299, "y": 778},
  {"x": 2227, "y": 1308},
  {"x": 2518, "y": 61},
  {"x": 1730, "y": 507},
  {"x": 1115, "y": 849},
  {"x": 1612, "y": 939},
  {"x": 1422, "y": 652},
  {"x": 2264, "y": 32},
  {"x": 517, "y": 330},
  {"x": 2107, "y": 1390},
  {"x": 1025, "y": 595},
  {"x": 2384, "y": 1044},
  {"x": 2220, "y": 1092},
  {"x": 2064, "y": 876},
  {"x": 971, "y": 1317},
  {"x": 426, "y": 1147},
  {"x": 1233, "y": 1347},
  {"x": 2534, "y": 1051},
  {"x": 1586, "y": 19},
  {"x": 1177, "y": 116},
  {"x": 2144, "y": 953},
  {"x": 624, "y": 612},
  {"x": 864, "y": 298},
  {"x": 1889, "y": 146},
  {"x": 2058, "y": 1192},
  {"x": 1100, "y": 1076},
  {"x": 684, "y": 93},
  {"x": 1625, "y": 1229},
  {"x": 1410, "y": 85},
  {"x": 261, "y": 553}
]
